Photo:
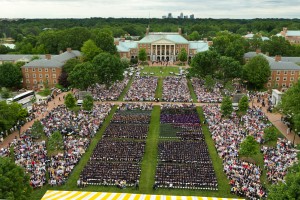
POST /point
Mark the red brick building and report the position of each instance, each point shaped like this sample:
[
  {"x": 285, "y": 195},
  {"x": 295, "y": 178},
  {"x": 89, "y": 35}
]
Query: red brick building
[
  {"x": 40, "y": 71},
  {"x": 292, "y": 36},
  {"x": 284, "y": 70}
]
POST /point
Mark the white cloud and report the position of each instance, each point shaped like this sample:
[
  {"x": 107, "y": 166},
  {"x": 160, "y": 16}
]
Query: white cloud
[{"x": 141, "y": 9}]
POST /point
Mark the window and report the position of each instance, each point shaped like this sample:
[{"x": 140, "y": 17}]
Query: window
[
  {"x": 47, "y": 75},
  {"x": 27, "y": 75},
  {"x": 269, "y": 84},
  {"x": 41, "y": 75},
  {"x": 34, "y": 81},
  {"x": 46, "y": 69},
  {"x": 33, "y": 69},
  {"x": 270, "y": 78},
  {"x": 292, "y": 72},
  {"x": 26, "y": 69},
  {"x": 54, "y": 81},
  {"x": 278, "y": 72},
  {"x": 41, "y": 81},
  {"x": 34, "y": 75},
  {"x": 277, "y": 78},
  {"x": 291, "y": 85},
  {"x": 27, "y": 81},
  {"x": 285, "y": 72},
  {"x": 284, "y": 78},
  {"x": 53, "y": 75},
  {"x": 53, "y": 69},
  {"x": 283, "y": 85},
  {"x": 40, "y": 69},
  {"x": 292, "y": 79}
]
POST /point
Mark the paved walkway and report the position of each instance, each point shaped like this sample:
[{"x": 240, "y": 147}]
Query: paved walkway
[{"x": 275, "y": 118}]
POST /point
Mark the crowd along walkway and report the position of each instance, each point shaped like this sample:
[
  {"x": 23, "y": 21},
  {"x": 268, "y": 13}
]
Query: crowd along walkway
[
  {"x": 275, "y": 118},
  {"x": 78, "y": 195}
]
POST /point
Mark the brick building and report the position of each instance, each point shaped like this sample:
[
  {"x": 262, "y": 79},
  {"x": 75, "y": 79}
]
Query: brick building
[
  {"x": 40, "y": 71},
  {"x": 284, "y": 70},
  {"x": 161, "y": 46},
  {"x": 292, "y": 36}
]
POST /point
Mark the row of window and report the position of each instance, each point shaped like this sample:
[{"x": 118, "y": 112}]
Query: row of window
[
  {"x": 40, "y": 81},
  {"x": 40, "y": 69},
  {"x": 282, "y": 85},
  {"x": 286, "y": 72},
  {"x": 284, "y": 78},
  {"x": 40, "y": 75}
]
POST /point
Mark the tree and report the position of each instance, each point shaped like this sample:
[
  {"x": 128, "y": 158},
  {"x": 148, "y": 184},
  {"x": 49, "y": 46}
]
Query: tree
[
  {"x": 14, "y": 181},
  {"x": 289, "y": 189},
  {"x": 249, "y": 147},
  {"x": 226, "y": 106},
  {"x": 194, "y": 36},
  {"x": 277, "y": 46},
  {"x": 37, "y": 129},
  {"x": 66, "y": 70},
  {"x": 70, "y": 100},
  {"x": 257, "y": 71},
  {"x": 55, "y": 141},
  {"x": 204, "y": 63},
  {"x": 88, "y": 103},
  {"x": 290, "y": 104},
  {"x": 90, "y": 50},
  {"x": 5, "y": 93},
  {"x": 104, "y": 40},
  {"x": 230, "y": 68},
  {"x": 142, "y": 55},
  {"x": 10, "y": 75},
  {"x": 243, "y": 104},
  {"x": 209, "y": 82},
  {"x": 270, "y": 134},
  {"x": 182, "y": 56},
  {"x": 83, "y": 76},
  {"x": 109, "y": 69}
]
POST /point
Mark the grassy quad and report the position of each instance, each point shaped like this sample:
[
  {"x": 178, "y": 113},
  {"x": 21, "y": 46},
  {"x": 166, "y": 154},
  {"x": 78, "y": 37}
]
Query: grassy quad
[{"x": 159, "y": 71}]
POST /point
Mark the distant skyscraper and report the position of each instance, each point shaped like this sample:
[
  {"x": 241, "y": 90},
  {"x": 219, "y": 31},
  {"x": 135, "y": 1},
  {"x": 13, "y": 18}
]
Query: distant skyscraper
[
  {"x": 170, "y": 15},
  {"x": 181, "y": 15},
  {"x": 164, "y": 17},
  {"x": 186, "y": 17},
  {"x": 192, "y": 16}
]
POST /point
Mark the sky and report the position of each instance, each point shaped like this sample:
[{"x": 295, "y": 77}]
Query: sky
[{"x": 236, "y": 9}]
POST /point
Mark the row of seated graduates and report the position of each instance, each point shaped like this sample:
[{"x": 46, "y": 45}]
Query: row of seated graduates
[
  {"x": 117, "y": 156},
  {"x": 184, "y": 162}
]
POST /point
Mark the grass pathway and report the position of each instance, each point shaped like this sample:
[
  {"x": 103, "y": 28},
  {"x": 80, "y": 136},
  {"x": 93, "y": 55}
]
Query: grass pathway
[
  {"x": 123, "y": 93},
  {"x": 159, "y": 88},
  {"x": 150, "y": 157},
  {"x": 192, "y": 92}
]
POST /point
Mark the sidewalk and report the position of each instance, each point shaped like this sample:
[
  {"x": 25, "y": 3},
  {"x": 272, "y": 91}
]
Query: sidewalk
[{"x": 52, "y": 104}]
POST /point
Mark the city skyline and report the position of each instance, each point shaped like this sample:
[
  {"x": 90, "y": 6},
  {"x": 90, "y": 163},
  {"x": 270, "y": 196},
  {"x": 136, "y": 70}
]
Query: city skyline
[{"x": 235, "y": 9}]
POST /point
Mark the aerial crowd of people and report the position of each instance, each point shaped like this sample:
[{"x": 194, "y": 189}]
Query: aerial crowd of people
[
  {"x": 175, "y": 89},
  {"x": 204, "y": 95}
]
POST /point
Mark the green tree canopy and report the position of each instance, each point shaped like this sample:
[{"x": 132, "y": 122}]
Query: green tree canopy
[
  {"x": 104, "y": 40},
  {"x": 194, "y": 36},
  {"x": 14, "y": 182},
  {"x": 226, "y": 106},
  {"x": 83, "y": 76},
  {"x": 249, "y": 147},
  {"x": 66, "y": 70},
  {"x": 270, "y": 134},
  {"x": 37, "y": 129},
  {"x": 257, "y": 71},
  {"x": 290, "y": 104},
  {"x": 243, "y": 104},
  {"x": 290, "y": 188},
  {"x": 204, "y": 63},
  {"x": 55, "y": 142},
  {"x": 182, "y": 56},
  {"x": 10, "y": 75},
  {"x": 88, "y": 103},
  {"x": 142, "y": 55},
  {"x": 90, "y": 50},
  {"x": 109, "y": 68},
  {"x": 230, "y": 68},
  {"x": 209, "y": 82},
  {"x": 70, "y": 100}
]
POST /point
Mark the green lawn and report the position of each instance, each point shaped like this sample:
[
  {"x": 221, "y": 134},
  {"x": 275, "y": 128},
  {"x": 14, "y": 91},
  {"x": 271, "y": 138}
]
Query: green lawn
[
  {"x": 159, "y": 88},
  {"x": 192, "y": 92},
  {"x": 123, "y": 93},
  {"x": 159, "y": 71}
]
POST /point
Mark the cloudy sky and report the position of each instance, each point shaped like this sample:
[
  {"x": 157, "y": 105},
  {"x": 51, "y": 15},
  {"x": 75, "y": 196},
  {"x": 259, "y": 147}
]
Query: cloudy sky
[{"x": 243, "y": 9}]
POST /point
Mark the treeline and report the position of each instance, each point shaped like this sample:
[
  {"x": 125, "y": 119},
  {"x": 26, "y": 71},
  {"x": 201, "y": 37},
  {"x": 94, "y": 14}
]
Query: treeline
[{"x": 136, "y": 26}]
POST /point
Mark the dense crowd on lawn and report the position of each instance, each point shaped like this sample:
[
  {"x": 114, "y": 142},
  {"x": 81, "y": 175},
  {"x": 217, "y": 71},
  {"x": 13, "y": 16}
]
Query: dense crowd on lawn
[
  {"x": 32, "y": 155},
  {"x": 115, "y": 161},
  {"x": 175, "y": 89},
  {"x": 142, "y": 89},
  {"x": 278, "y": 159},
  {"x": 228, "y": 134},
  {"x": 204, "y": 95},
  {"x": 101, "y": 93},
  {"x": 185, "y": 163}
]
